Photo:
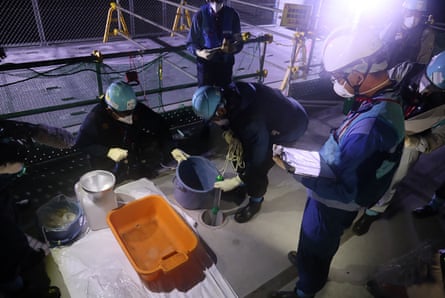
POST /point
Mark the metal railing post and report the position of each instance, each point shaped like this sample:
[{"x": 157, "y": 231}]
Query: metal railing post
[
  {"x": 160, "y": 78},
  {"x": 98, "y": 64},
  {"x": 39, "y": 24},
  {"x": 132, "y": 22}
]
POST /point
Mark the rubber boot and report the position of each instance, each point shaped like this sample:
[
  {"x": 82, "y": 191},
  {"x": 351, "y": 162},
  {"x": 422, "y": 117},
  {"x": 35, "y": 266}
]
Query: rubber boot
[{"x": 246, "y": 213}]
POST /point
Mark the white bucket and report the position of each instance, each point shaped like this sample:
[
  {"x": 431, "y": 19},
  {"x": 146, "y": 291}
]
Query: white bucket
[{"x": 96, "y": 195}]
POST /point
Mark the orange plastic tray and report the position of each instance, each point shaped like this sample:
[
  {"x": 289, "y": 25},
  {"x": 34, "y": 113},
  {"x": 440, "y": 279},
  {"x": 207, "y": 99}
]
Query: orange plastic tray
[{"x": 153, "y": 236}]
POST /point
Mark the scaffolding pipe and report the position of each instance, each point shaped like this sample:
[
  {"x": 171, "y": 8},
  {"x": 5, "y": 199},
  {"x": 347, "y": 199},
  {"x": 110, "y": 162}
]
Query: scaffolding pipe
[
  {"x": 119, "y": 8},
  {"x": 277, "y": 10},
  {"x": 131, "y": 40},
  {"x": 186, "y": 6}
]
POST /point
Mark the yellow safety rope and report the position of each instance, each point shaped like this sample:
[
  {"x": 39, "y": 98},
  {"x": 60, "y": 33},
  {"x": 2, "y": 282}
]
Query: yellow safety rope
[{"x": 234, "y": 154}]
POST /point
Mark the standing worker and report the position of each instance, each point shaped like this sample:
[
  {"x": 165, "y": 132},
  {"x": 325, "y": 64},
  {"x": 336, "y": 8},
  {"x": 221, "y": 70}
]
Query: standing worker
[
  {"x": 424, "y": 108},
  {"x": 358, "y": 160},
  {"x": 215, "y": 37},
  {"x": 257, "y": 116}
]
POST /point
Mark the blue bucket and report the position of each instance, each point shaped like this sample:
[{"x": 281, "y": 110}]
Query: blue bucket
[{"x": 194, "y": 182}]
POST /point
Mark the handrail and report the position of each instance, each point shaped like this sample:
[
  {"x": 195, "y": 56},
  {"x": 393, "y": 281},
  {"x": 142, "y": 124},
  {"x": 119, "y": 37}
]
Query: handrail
[
  {"x": 92, "y": 58},
  {"x": 277, "y": 10},
  {"x": 98, "y": 59}
]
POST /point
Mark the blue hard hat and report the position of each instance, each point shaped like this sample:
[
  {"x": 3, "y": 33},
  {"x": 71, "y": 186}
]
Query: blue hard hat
[
  {"x": 120, "y": 96},
  {"x": 435, "y": 70},
  {"x": 205, "y": 101}
]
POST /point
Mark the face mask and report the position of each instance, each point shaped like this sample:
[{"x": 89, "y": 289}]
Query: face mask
[
  {"x": 127, "y": 119},
  {"x": 410, "y": 22},
  {"x": 216, "y": 6},
  {"x": 341, "y": 90}
]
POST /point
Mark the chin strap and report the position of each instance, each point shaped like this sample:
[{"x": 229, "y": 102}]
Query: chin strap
[{"x": 371, "y": 100}]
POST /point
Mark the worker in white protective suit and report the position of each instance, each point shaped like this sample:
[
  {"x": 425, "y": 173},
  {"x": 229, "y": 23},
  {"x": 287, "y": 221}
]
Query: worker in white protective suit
[
  {"x": 409, "y": 38},
  {"x": 424, "y": 107}
]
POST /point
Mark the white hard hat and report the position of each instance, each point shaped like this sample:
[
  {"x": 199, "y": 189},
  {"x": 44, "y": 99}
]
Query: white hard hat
[
  {"x": 347, "y": 48},
  {"x": 419, "y": 5}
]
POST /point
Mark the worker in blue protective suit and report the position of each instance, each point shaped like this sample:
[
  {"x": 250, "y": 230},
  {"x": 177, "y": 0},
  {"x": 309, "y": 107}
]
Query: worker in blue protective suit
[
  {"x": 22, "y": 272},
  {"x": 257, "y": 116},
  {"x": 357, "y": 161},
  {"x": 215, "y": 38},
  {"x": 424, "y": 110},
  {"x": 125, "y": 136}
]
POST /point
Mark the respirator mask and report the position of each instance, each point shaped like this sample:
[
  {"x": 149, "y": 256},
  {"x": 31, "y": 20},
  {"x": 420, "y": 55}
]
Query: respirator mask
[
  {"x": 411, "y": 22},
  {"x": 216, "y": 5},
  {"x": 341, "y": 91}
]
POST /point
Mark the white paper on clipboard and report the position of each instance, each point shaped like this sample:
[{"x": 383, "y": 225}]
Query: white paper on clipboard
[{"x": 302, "y": 162}]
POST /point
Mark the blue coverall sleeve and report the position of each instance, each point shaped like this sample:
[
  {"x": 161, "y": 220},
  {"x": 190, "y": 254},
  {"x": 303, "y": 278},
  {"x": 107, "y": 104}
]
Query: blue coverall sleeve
[
  {"x": 355, "y": 150},
  {"x": 195, "y": 39},
  {"x": 237, "y": 32}
]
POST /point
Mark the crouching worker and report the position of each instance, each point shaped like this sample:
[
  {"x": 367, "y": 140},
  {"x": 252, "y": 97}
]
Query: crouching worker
[
  {"x": 256, "y": 116},
  {"x": 125, "y": 136},
  {"x": 22, "y": 273}
]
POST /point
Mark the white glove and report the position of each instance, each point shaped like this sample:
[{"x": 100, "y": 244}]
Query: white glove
[
  {"x": 228, "y": 184},
  {"x": 205, "y": 54},
  {"x": 277, "y": 151},
  {"x": 179, "y": 155},
  {"x": 117, "y": 154},
  {"x": 228, "y": 47}
]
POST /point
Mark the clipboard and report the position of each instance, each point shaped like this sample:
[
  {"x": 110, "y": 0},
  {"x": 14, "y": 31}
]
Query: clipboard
[{"x": 298, "y": 161}]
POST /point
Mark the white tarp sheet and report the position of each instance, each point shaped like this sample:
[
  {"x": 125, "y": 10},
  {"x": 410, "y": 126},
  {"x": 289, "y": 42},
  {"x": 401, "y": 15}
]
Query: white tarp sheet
[{"x": 96, "y": 266}]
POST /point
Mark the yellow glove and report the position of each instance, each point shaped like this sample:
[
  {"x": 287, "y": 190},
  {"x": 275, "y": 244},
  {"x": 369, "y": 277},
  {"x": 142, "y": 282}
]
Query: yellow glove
[
  {"x": 228, "y": 47},
  {"x": 228, "y": 136},
  {"x": 417, "y": 143},
  {"x": 179, "y": 155},
  {"x": 228, "y": 184},
  {"x": 117, "y": 154},
  {"x": 11, "y": 168},
  {"x": 411, "y": 142}
]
